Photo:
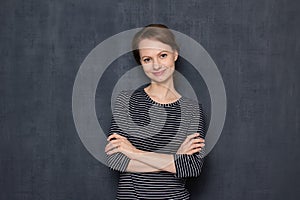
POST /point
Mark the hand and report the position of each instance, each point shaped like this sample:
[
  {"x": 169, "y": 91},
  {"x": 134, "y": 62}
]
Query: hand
[
  {"x": 118, "y": 143},
  {"x": 192, "y": 144}
]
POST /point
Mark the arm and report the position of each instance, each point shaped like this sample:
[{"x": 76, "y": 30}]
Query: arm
[
  {"x": 190, "y": 165},
  {"x": 167, "y": 162},
  {"x": 158, "y": 161},
  {"x": 142, "y": 161},
  {"x": 123, "y": 156},
  {"x": 139, "y": 167},
  {"x": 188, "y": 160},
  {"x": 120, "y": 160}
]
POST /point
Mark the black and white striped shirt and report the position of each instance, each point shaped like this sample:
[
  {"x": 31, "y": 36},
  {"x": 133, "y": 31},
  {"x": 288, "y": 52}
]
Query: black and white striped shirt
[{"x": 161, "y": 128}]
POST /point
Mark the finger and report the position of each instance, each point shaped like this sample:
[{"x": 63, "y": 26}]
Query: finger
[
  {"x": 112, "y": 144},
  {"x": 195, "y": 146},
  {"x": 115, "y": 142},
  {"x": 199, "y": 136},
  {"x": 192, "y": 136},
  {"x": 194, "y": 151},
  {"x": 192, "y": 146},
  {"x": 192, "y": 142},
  {"x": 115, "y": 150},
  {"x": 198, "y": 140},
  {"x": 189, "y": 138},
  {"x": 114, "y": 136},
  {"x": 198, "y": 145},
  {"x": 109, "y": 147}
]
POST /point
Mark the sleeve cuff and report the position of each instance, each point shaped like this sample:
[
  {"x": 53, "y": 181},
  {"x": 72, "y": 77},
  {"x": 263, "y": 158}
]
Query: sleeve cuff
[
  {"x": 187, "y": 165},
  {"x": 180, "y": 161},
  {"x": 118, "y": 162}
]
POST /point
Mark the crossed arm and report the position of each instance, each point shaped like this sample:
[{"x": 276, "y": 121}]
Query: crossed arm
[
  {"x": 123, "y": 156},
  {"x": 143, "y": 161}
]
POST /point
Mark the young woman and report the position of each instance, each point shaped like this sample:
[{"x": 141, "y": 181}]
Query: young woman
[{"x": 156, "y": 138}]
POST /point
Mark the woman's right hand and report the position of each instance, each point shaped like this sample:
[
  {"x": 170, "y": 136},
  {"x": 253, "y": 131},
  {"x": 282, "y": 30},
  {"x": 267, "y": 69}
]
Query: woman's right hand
[
  {"x": 118, "y": 143},
  {"x": 192, "y": 144}
]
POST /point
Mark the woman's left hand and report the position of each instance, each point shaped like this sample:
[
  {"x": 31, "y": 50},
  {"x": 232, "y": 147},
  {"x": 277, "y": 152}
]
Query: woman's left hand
[
  {"x": 118, "y": 143},
  {"x": 191, "y": 145}
]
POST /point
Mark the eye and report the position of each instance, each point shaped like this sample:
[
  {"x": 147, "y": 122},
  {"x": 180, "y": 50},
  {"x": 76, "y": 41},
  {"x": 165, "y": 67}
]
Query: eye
[
  {"x": 146, "y": 60},
  {"x": 163, "y": 55}
]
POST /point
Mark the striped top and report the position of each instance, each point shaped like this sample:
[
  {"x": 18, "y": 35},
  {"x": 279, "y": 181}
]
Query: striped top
[{"x": 161, "y": 128}]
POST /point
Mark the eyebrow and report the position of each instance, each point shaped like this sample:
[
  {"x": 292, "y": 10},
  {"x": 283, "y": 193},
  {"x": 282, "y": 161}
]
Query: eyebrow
[{"x": 158, "y": 53}]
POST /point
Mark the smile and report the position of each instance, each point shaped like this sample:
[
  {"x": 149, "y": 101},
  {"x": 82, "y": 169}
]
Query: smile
[{"x": 158, "y": 73}]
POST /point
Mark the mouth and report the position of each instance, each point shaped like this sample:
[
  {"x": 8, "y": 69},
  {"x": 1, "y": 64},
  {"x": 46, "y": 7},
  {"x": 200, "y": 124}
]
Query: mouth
[{"x": 158, "y": 73}]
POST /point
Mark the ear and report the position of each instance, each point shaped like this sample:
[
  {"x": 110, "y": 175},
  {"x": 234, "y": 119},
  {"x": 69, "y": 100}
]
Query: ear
[{"x": 175, "y": 55}]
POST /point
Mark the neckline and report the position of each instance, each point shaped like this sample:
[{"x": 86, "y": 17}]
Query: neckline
[{"x": 176, "y": 102}]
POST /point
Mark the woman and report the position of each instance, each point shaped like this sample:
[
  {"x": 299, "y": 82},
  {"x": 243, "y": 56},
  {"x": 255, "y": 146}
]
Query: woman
[{"x": 156, "y": 138}]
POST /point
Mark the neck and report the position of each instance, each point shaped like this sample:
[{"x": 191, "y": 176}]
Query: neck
[{"x": 163, "y": 92}]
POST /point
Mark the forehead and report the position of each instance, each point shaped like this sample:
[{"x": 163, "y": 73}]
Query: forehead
[{"x": 148, "y": 46}]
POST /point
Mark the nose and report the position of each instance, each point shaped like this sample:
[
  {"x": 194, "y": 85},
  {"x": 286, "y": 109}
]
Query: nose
[{"x": 156, "y": 64}]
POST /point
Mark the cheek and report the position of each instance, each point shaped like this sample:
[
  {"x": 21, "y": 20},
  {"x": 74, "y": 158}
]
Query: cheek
[
  {"x": 146, "y": 67},
  {"x": 170, "y": 62}
]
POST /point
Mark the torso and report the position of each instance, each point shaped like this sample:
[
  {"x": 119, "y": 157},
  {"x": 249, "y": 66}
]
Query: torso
[{"x": 156, "y": 127}]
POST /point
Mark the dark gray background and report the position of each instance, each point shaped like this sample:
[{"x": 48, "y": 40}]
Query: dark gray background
[{"x": 254, "y": 43}]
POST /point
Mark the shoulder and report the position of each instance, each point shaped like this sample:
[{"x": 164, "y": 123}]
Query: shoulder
[
  {"x": 188, "y": 103},
  {"x": 123, "y": 97},
  {"x": 129, "y": 95}
]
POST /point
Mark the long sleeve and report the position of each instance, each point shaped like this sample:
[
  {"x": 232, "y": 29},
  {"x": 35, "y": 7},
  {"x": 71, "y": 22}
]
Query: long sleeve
[
  {"x": 118, "y": 161},
  {"x": 191, "y": 165}
]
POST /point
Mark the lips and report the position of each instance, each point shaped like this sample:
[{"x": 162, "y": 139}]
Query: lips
[{"x": 158, "y": 73}]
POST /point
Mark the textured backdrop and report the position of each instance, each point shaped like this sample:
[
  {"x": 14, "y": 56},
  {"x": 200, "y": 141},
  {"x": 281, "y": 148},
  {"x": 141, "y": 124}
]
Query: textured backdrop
[{"x": 254, "y": 43}]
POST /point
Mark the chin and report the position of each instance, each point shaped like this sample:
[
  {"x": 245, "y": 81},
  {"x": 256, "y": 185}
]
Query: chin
[{"x": 160, "y": 81}]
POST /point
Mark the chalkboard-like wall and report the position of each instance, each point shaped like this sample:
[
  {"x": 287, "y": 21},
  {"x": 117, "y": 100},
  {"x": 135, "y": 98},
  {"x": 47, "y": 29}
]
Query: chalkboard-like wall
[{"x": 255, "y": 45}]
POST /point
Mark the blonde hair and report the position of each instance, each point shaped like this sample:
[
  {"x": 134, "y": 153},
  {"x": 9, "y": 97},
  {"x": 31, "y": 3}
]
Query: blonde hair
[{"x": 157, "y": 32}]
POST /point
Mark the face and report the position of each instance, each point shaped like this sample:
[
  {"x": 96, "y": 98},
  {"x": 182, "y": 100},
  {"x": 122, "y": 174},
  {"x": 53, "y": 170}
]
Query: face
[{"x": 158, "y": 60}]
